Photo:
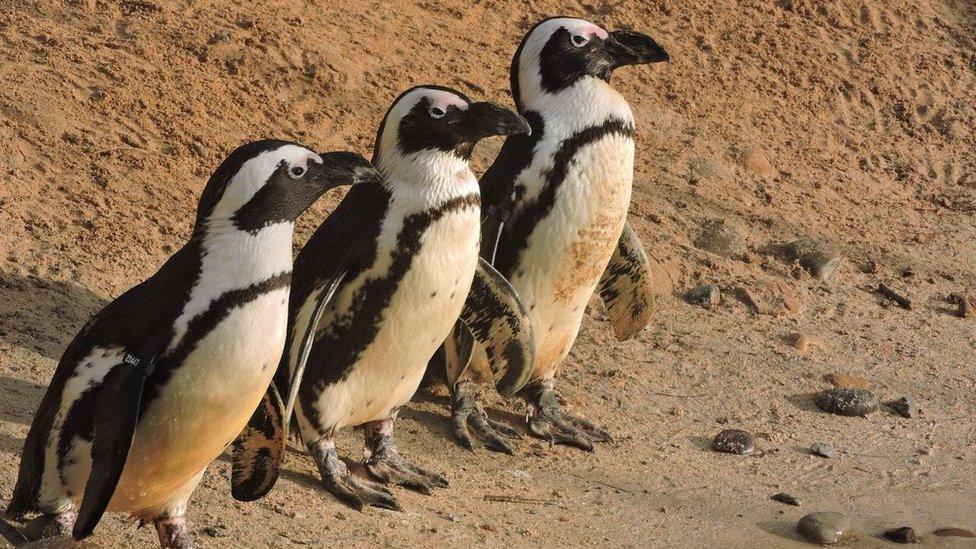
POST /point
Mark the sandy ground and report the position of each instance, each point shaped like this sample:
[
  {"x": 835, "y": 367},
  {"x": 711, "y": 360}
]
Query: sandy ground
[{"x": 850, "y": 121}]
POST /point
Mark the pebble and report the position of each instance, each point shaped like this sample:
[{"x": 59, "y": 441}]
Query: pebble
[
  {"x": 905, "y": 407},
  {"x": 823, "y": 450},
  {"x": 847, "y": 402},
  {"x": 212, "y": 531},
  {"x": 734, "y": 441},
  {"x": 722, "y": 239},
  {"x": 756, "y": 161},
  {"x": 708, "y": 296},
  {"x": 801, "y": 342},
  {"x": 905, "y": 534},
  {"x": 826, "y": 528},
  {"x": 816, "y": 256},
  {"x": 966, "y": 308},
  {"x": 848, "y": 381},
  {"x": 954, "y": 532},
  {"x": 783, "y": 497}
]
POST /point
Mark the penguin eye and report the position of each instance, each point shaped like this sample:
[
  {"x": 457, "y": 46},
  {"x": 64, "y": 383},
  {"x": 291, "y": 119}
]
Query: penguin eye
[
  {"x": 436, "y": 112},
  {"x": 580, "y": 40},
  {"x": 296, "y": 172}
]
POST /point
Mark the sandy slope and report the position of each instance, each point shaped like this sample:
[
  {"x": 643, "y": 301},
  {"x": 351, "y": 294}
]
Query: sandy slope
[{"x": 848, "y": 120}]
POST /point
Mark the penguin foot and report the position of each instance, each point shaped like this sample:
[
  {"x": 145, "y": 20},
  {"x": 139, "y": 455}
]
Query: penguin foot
[
  {"x": 468, "y": 415},
  {"x": 336, "y": 478},
  {"x": 53, "y": 525},
  {"x": 385, "y": 463},
  {"x": 547, "y": 420},
  {"x": 173, "y": 533}
]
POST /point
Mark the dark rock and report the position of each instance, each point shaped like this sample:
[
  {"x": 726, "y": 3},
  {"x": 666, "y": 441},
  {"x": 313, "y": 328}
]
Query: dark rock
[
  {"x": 847, "y": 402},
  {"x": 823, "y": 450},
  {"x": 905, "y": 407},
  {"x": 722, "y": 239},
  {"x": 708, "y": 296},
  {"x": 825, "y": 528},
  {"x": 734, "y": 441},
  {"x": 905, "y": 534},
  {"x": 783, "y": 497},
  {"x": 954, "y": 532}
]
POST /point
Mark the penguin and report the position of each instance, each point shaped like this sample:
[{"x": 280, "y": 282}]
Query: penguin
[
  {"x": 381, "y": 283},
  {"x": 161, "y": 380},
  {"x": 555, "y": 205}
]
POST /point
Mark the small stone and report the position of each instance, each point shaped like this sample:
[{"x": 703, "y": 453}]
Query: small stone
[
  {"x": 734, "y": 441},
  {"x": 966, "y": 308},
  {"x": 708, "y": 296},
  {"x": 847, "y": 402},
  {"x": 722, "y": 239},
  {"x": 801, "y": 342},
  {"x": 826, "y": 528},
  {"x": 954, "y": 533},
  {"x": 905, "y": 534},
  {"x": 823, "y": 450},
  {"x": 212, "y": 531},
  {"x": 816, "y": 256},
  {"x": 755, "y": 160},
  {"x": 905, "y": 407},
  {"x": 848, "y": 381},
  {"x": 783, "y": 497}
]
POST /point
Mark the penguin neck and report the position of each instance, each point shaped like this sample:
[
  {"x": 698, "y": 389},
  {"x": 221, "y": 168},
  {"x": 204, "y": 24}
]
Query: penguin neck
[
  {"x": 245, "y": 256},
  {"x": 431, "y": 176},
  {"x": 588, "y": 102}
]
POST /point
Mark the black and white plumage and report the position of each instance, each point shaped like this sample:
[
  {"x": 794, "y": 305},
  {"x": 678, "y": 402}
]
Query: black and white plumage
[
  {"x": 406, "y": 251},
  {"x": 161, "y": 380},
  {"x": 556, "y": 204}
]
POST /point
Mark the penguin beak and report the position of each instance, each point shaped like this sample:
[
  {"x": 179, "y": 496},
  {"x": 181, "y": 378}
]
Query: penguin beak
[
  {"x": 624, "y": 47},
  {"x": 485, "y": 119},
  {"x": 344, "y": 168}
]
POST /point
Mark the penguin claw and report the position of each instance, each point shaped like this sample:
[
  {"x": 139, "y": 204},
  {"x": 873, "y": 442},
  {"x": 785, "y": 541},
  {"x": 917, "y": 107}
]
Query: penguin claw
[
  {"x": 388, "y": 466},
  {"x": 337, "y": 480},
  {"x": 548, "y": 421},
  {"x": 468, "y": 415}
]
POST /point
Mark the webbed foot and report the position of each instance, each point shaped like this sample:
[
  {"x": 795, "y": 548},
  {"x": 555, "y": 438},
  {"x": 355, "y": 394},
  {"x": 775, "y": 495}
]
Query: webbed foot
[
  {"x": 547, "y": 420},
  {"x": 468, "y": 416},
  {"x": 386, "y": 464},
  {"x": 337, "y": 479},
  {"x": 173, "y": 533},
  {"x": 53, "y": 525}
]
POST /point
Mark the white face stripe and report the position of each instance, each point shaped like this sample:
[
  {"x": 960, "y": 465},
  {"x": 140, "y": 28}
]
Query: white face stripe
[{"x": 254, "y": 173}]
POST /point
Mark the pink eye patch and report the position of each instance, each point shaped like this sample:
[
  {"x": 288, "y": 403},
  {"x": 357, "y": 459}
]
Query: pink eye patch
[{"x": 443, "y": 100}]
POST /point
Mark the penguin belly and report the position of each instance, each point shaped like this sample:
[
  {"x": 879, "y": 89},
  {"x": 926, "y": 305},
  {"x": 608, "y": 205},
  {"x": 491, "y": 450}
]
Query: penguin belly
[
  {"x": 419, "y": 317},
  {"x": 570, "y": 248},
  {"x": 203, "y": 407}
]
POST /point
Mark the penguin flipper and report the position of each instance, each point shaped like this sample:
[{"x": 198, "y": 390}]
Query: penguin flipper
[
  {"x": 456, "y": 353},
  {"x": 116, "y": 414},
  {"x": 627, "y": 288},
  {"x": 498, "y": 322},
  {"x": 308, "y": 338},
  {"x": 258, "y": 451}
]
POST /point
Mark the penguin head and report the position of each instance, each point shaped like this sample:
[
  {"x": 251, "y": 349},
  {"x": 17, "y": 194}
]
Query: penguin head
[
  {"x": 436, "y": 119},
  {"x": 272, "y": 181},
  {"x": 559, "y": 52}
]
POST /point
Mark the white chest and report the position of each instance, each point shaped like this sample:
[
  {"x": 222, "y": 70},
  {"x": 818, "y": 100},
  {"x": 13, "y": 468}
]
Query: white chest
[
  {"x": 570, "y": 248},
  {"x": 421, "y": 313},
  {"x": 206, "y": 403}
]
